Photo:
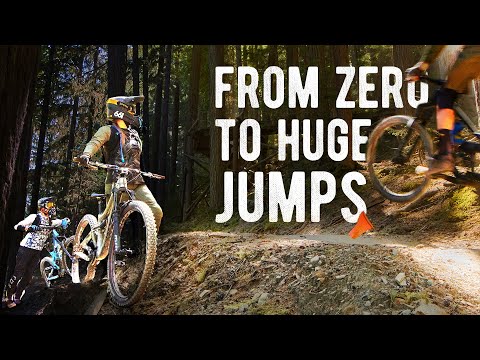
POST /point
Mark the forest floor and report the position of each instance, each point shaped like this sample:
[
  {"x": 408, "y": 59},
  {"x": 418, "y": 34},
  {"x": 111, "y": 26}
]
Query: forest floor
[{"x": 421, "y": 258}]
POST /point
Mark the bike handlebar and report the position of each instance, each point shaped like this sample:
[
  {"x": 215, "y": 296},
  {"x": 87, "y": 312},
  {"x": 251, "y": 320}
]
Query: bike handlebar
[
  {"x": 433, "y": 81},
  {"x": 94, "y": 165},
  {"x": 49, "y": 227}
]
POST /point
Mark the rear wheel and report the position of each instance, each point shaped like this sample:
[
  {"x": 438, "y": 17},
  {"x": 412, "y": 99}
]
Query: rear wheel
[
  {"x": 130, "y": 270},
  {"x": 395, "y": 148}
]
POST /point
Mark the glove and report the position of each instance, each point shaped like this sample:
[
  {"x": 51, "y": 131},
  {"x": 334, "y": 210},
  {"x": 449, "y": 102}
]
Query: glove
[
  {"x": 21, "y": 228},
  {"x": 65, "y": 222},
  {"x": 414, "y": 73},
  {"x": 84, "y": 159},
  {"x": 33, "y": 228}
]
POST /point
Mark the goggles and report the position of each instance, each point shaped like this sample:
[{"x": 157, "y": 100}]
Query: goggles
[{"x": 49, "y": 205}]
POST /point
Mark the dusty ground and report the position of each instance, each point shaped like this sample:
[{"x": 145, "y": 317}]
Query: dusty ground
[
  {"x": 230, "y": 274},
  {"x": 420, "y": 258}
]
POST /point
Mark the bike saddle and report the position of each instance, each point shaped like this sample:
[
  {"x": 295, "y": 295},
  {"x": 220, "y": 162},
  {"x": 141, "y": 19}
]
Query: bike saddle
[
  {"x": 98, "y": 196},
  {"x": 130, "y": 100}
]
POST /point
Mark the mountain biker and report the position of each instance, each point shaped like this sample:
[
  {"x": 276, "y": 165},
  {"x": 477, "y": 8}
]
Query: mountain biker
[
  {"x": 31, "y": 247},
  {"x": 122, "y": 146},
  {"x": 465, "y": 69}
]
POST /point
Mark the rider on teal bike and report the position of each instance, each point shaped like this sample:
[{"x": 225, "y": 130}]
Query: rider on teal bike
[
  {"x": 465, "y": 69},
  {"x": 31, "y": 247}
]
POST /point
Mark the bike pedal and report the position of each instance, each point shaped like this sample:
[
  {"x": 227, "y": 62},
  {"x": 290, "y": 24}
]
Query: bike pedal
[
  {"x": 127, "y": 252},
  {"x": 420, "y": 170}
]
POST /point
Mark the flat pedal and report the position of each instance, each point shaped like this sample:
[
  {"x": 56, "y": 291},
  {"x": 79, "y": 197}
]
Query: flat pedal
[
  {"x": 81, "y": 255},
  {"x": 420, "y": 170}
]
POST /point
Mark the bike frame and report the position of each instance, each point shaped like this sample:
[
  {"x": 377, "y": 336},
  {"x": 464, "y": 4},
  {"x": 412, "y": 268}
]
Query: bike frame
[
  {"x": 55, "y": 254},
  {"x": 108, "y": 220}
]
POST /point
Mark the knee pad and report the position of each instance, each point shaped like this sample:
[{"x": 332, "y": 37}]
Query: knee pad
[
  {"x": 446, "y": 98},
  {"x": 157, "y": 211}
]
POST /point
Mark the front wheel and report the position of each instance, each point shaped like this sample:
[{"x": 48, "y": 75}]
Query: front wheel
[
  {"x": 84, "y": 245},
  {"x": 47, "y": 270},
  {"x": 130, "y": 270},
  {"x": 396, "y": 147}
]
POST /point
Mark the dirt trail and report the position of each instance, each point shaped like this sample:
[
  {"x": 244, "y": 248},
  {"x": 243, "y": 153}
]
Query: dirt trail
[
  {"x": 229, "y": 273},
  {"x": 226, "y": 273}
]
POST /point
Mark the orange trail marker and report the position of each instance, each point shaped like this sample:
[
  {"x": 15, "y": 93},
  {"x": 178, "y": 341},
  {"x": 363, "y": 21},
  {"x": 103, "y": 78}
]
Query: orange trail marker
[{"x": 363, "y": 225}]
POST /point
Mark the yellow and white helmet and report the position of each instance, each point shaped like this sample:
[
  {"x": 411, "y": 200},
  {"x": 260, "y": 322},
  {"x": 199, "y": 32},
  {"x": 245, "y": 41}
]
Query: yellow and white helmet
[{"x": 123, "y": 108}]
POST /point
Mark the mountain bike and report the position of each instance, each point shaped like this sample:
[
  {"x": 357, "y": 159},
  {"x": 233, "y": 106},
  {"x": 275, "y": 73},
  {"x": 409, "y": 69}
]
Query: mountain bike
[
  {"x": 59, "y": 262},
  {"x": 400, "y": 148},
  {"x": 125, "y": 232}
]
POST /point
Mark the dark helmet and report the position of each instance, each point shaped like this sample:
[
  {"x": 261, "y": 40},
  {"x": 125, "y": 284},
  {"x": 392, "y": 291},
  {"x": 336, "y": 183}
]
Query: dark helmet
[
  {"x": 49, "y": 204},
  {"x": 123, "y": 108}
]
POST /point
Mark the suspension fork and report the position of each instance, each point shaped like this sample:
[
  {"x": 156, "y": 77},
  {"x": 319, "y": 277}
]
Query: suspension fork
[
  {"x": 398, "y": 153},
  {"x": 116, "y": 220}
]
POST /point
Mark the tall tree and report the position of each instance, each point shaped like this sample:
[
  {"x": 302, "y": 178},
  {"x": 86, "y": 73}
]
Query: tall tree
[
  {"x": 43, "y": 128},
  {"x": 403, "y": 58},
  {"x": 93, "y": 99},
  {"x": 136, "y": 74},
  {"x": 216, "y": 58},
  {"x": 117, "y": 70},
  {"x": 193, "y": 101},
  {"x": 145, "y": 113},
  {"x": 340, "y": 58},
  {"x": 73, "y": 127},
  {"x": 236, "y": 133},
  {"x": 18, "y": 192},
  {"x": 18, "y": 70},
  {"x": 292, "y": 60},
  {"x": 163, "y": 140},
  {"x": 172, "y": 174},
  {"x": 155, "y": 159}
]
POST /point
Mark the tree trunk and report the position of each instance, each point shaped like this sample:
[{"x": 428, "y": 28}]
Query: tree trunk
[
  {"x": 117, "y": 70},
  {"x": 325, "y": 103},
  {"x": 292, "y": 60},
  {"x": 136, "y": 74},
  {"x": 163, "y": 140},
  {"x": 145, "y": 113},
  {"x": 155, "y": 159},
  {"x": 191, "y": 119},
  {"x": 403, "y": 58},
  {"x": 43, "y": 129},
  {"x": 216, "y": 55},
  {"x": 18, "y": 70},
  {"x": 91, "y": 115},
  {"x": 340, "y": 58},
  {"x": 236, "y": 133},
  {"x": 18, "y": 192},
  {"x": 71, "y": 134},
  {"x": 175, "y": 121}
]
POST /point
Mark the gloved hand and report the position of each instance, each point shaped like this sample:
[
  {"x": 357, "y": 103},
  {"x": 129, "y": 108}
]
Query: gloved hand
[
  {"x": 84, "y": 159},
  {"x": 414, "y": 73},
  {"x": 65, "y": 222},
  {"x": 33, "y": 228},
  {"x": 21, "y": 228}
]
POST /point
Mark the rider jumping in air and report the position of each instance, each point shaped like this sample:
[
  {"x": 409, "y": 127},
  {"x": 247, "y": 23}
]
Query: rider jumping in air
[{"x": 465, "y": 69}]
